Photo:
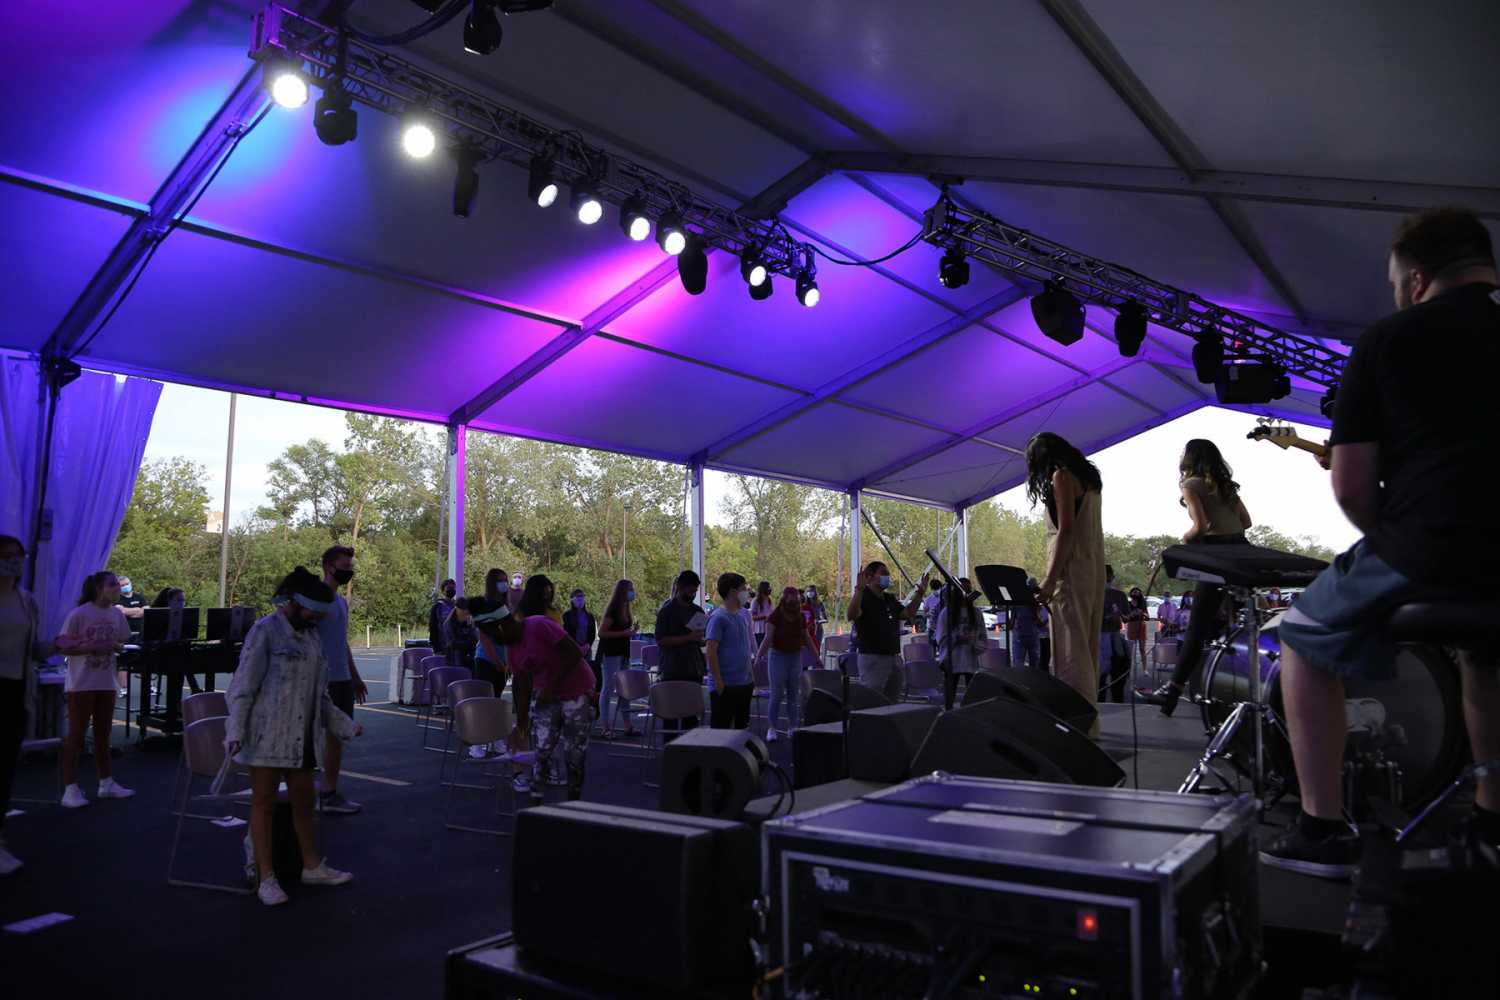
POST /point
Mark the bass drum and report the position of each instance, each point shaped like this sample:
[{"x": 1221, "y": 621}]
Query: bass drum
[{"x": 1422, "y": 709}]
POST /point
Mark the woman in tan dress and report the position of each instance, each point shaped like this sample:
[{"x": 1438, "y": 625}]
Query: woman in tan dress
[{"x": 1069, "y": 485}]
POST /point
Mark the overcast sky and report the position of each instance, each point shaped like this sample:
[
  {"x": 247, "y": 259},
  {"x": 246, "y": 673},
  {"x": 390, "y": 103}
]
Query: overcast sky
[{"x": 1283, "y": 489}]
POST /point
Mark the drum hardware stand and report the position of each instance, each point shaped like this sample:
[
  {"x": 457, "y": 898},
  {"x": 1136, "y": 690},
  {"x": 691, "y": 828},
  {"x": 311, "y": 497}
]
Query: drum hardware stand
[{"x": 1475, "y": 771}]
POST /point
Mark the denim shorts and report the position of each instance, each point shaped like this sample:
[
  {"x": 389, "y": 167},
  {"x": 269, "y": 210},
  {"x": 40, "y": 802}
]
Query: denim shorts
[{"x": 1339, "y": 622}]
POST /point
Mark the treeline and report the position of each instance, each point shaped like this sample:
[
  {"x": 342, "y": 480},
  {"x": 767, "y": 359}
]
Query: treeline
[{"x": 533, "y": 507}]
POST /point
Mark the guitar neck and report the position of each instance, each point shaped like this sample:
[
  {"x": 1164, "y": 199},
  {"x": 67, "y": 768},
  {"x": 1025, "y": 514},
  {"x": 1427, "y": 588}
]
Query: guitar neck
[{"x": 1311, "y": 447}]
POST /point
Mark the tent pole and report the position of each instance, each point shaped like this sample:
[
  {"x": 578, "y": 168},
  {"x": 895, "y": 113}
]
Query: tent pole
[
  {"x": 961, "y": 540},
  {"x": 458, "y": 436},
  {"x": 855, "y": 509},
  {"x": 224, "y": 516},
  {"x": 695, "y": 519},
  {"x": 56, "y": 373}
]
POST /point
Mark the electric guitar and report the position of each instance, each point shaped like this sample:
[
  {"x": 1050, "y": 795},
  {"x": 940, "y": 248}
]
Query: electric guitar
[{"x": 1285, "y": 436}]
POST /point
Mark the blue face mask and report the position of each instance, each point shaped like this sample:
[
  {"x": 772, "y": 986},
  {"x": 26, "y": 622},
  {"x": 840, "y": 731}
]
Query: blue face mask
[
  {"x": 126, "y": 589},
  {"x": 885, "y": 583},
  {"x": 629, "y": 595}
]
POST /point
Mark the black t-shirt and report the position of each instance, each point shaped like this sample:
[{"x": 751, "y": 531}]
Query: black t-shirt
[
  {"x": 878, "y": 627},
  {"x": 135, "y": 600},
  {"x": 1421, "y": 384},
  {"x": 679, "y": 663},
  {"x": 619, "y": 646}
]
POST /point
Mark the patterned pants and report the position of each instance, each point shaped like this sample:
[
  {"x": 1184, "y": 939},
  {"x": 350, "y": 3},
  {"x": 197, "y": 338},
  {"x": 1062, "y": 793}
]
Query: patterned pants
[{"x": 564, "y": 723}]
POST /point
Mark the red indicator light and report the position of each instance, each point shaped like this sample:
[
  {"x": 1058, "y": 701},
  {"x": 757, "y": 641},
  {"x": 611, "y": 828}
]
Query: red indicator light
[{"x": 1088, "y": 925}]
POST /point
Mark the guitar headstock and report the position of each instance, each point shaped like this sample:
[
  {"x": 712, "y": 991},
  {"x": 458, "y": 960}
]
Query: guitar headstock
[{"x": 1280, "y": 434}]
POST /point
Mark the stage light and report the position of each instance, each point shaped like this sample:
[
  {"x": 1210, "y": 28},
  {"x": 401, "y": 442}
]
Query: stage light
[
  {"x": 669, "y": 234},
  {"x": 807, "y": 289},
  {"x": 334, "y": 118},
  {"x": 692, "y": 265},
  {"x": 753, "y": 267},
  {"x": 1058, "y": 314},
  {"x": 1327, "y": 403},
  {"x": 541, "y": 188},
  {"x": 762, "y": 291},
  {"x": 586, "y": 203},
  {"x": 953, "y": 269},
  {"x": 1251, "y": 382},
  {"x": 1208, "y": 358},
  {"x": 633, "y": 220},
  {"x": 1130, "y": 328},
  {"x": 482, "y": 31},
  {"x": 417, "y": 138},
  {"x": 288, "y": 88},
  {"x": 465, "y": 180}
]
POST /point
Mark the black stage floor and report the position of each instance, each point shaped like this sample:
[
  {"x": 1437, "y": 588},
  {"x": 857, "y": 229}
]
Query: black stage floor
[{"x": 419, "y": 889}]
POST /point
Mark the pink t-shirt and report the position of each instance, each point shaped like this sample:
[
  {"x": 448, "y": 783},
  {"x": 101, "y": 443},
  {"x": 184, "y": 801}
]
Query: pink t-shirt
[
  {"x": 535, "y": 655},
  {"x": 94, "y": 671}
]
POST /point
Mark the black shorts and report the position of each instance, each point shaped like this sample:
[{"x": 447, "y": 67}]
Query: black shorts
[{"x": 341, "y": 693}]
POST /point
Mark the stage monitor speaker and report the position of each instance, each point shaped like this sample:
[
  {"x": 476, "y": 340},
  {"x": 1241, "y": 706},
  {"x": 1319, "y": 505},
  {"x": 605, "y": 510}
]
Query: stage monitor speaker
[
  {"x": 1033, "y": 687},
  {"x": 823, "y": 706},
  {"x": 818, "y": 754},
  {"x": 1010, "y": 739},
  {"x": 711, "y": 772},
  {"x": 691, "y": 882},
  {"x": 883, "y": 741}
]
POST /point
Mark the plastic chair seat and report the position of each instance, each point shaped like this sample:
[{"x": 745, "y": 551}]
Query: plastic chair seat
[{"x": 1449, "y": 622}]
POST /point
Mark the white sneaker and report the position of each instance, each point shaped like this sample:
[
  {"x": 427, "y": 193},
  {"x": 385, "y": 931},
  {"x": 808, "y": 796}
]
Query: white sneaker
[
  {"x": 771, "y": 736},
  {"x": 9, "y": 863},
  {"x": 324, "y": 875},
  {"x": 270, "y": 892},
  {"x": 479, "y": 752},
  {"x": 73, "y": 798},
  {"x": 109, "y": 788},
  {"x": 123, "y": 692}
]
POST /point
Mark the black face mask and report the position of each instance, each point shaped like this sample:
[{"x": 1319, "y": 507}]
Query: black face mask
[
  {"x": 450, "y": 593},
  {"x": 342, "y": 576},
  {"x": 302, "y": 624}
]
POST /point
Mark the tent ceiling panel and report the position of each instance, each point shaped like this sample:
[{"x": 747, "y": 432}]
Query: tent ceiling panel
[
  {"x": 1282, "y": 87},
  {"x": 611, "y": 394},
  {"x": 858, "y": 221},
  {"x": 984, "y": 78},
  {"x": 861, "y": 314},
  {"x": 832, "y": 443},
  {"x": 1145, "y": 382},
  {"x": 368, "y": 202},
  {"x": 1173, "y": 239},
  {"x": 1085, "y": 414},
  {"x": 50, "y": 247},
  {"x": 109, "y": 96},
  {"x": 955, "y": 474},
  {"x": 221, "y": 313},
  {"x": 962, "y": 378}
]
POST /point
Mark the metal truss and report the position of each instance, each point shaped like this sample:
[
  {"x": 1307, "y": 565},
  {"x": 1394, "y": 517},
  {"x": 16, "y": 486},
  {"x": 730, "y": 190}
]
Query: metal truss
[
  {"x": 470, "y": 121},
  {"x": 1017, "y": 251}
]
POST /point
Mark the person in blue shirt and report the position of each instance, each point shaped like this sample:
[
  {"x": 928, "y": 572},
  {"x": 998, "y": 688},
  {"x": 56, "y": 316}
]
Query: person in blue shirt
[
  {"x": 345, "y": 687},
  {"x": 730, "y": 683}
]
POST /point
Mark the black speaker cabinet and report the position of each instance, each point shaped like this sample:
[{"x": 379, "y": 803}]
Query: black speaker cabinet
[
  {"x": 711, "y": 772},
  {"x": 823, "y": 706},
  {"x": 1036, "y": 688},
  {"x": 818, "y": 754},
  {"x": 883, "y": 741},
  {"x": 691, "y": 882},
  {"x": 1009, "y": 739}
]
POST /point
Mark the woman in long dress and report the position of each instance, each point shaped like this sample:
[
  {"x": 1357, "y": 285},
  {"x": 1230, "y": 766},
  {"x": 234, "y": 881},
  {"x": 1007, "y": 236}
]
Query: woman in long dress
[{"x": 1069, "y": 485}]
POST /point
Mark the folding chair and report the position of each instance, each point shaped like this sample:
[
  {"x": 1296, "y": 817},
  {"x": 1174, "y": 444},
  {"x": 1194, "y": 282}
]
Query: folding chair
[
  {"x": 918, "y": 649},
  {"x": 636, "y": 646},
  {"x": 632, "y": 691},
  {"x": 1164, "y": 657},
  {"x": 994, "y": 659},
  {"x": 924, "y": 681},
  {"x": 651, "y": 658},
  {"x": 479, "y": 721},
  {"x": 437, "y": 698},
  {"x": 203, "y": 750},
  {"x": 834, "y": 646},
  {"x": 760, "y": 670},
  {"x": 411, "y": 660},
  {"x": 457, "y": 691},
  {"x": 671, "y": 701},
  {"x": 204, "y": 706}
]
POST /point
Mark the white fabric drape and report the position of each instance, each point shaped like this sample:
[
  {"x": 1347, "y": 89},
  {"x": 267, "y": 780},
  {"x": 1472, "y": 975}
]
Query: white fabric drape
[{"x": 97, "y": 442}]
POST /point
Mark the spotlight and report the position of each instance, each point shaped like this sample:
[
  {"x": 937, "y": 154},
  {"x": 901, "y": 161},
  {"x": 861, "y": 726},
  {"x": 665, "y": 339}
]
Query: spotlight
[
  {"x": 762, "y": 291},
  {"x": 692, "y": 265},
  {"x": 1251, "y": 382},
  {"x": 465, "y": 180},
  {"x": 482, "y": 31},
  {"x": 1058, "y": 314},
  {"x": 953, "y": 269},
  {"x": 288, "y": 88},
  {"x": 1327, "y": 403},
  {"x": 633, "y": 220},
  {"x": 334, "y": 117},
  {"x": 1130, "y": 328},
  {"x": 807, "y": 289},
  {"x": 1208, "y": 358},
  {"x": 417, "y": 138},
  {"x": 586, "y": 203},
  {"x": 542, "y": 186},
  {"x": 753, "y": 267},
  {"x": 669, "y": 234}
]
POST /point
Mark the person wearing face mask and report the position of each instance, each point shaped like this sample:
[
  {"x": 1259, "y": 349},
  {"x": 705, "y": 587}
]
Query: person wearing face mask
[
  {"x": 91, "y": 636},
  {"x": 460, "y": 637},
  {"x": 441, "y": 609},
  {"x": 878, "y": 620},
  {"x": 615, "y": 630},
  {"x": 492, "y": 659},
  {"x": 959, "y": 636},
  {"x": 280, "y": 708},
  {"x": 579, "y": 622},
  {"x": 787, "y": 634},
  {"x": 760, "y": 611},
  {"x": 133, "y": 604},
  {"x": 345, "y": 686},
  {"x": 730, "y": 683},
  {"x": 680, "y": 632},
  {"x": 812, "y": 605},
  {"x": 21, "y": 645}
]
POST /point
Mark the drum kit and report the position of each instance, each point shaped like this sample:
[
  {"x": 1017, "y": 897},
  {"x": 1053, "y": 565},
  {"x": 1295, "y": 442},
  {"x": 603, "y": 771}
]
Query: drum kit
[{"x": 1406, "y": 737}]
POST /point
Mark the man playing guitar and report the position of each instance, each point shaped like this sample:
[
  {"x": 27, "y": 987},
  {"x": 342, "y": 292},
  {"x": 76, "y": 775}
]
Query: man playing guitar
[{"x": 1414, "y": 440}]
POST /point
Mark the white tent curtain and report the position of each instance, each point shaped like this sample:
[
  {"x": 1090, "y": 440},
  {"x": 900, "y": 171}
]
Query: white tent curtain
[{"x": 98, "y": 439}]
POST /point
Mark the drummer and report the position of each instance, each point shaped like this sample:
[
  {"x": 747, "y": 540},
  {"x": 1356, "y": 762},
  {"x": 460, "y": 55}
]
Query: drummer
[{"x": 1414, "y": 441}]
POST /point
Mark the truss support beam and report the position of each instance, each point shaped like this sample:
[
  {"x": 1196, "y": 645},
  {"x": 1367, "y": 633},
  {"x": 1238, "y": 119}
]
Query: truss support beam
[
  {"x": 458, "y": 450},
  {"x": 695, "y": 510},
  {"x": 961, "y": 530},
  {"x": 217, "y": 140},
  {"x": 856, "y": 520}
]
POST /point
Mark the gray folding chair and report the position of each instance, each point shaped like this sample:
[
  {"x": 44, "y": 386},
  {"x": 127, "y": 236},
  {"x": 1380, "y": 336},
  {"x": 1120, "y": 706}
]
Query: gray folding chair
[
  {"x": 671, "y": 701},
  {"x": 437, "y": 699},
  {"x": 410, "y": 667},
  {"x": 456, "y": 692},
  {"x": 632, "y": 689},
  {"x": 760, "y": 670},
  {"x": 1164, "y": 657},
  {"x": 203, "y": 751},
  {"x": 479, "y": 721},
  {"x": 636, "y": 646},
  {"x": 924, "y": 681},
  {"x": 204, "y": 705},
  {"x": 919, "y": 649},
  {"x": 651, "y": 657}
]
